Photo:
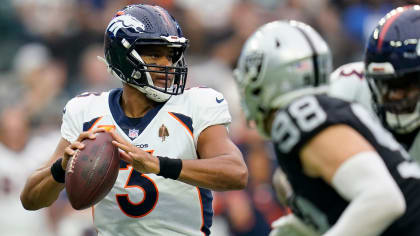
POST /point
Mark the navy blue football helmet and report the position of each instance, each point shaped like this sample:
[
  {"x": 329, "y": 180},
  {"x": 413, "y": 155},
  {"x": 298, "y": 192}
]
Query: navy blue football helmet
[
  {"x": 392, "y": 67},
  {"x": 138, "y": 26}
]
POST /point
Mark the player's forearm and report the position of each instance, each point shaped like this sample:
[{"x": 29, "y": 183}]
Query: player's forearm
[
  {"x": 375, "y": 199},
  {"x": 219, "y": 173},
  {"x": 41, "y": 190},
  {"x": 369, "y": 215}
]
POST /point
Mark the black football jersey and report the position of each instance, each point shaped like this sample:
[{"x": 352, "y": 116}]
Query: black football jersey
[
  {"x": 314, "y": 200},
  {"x": 407, "y": 140}
]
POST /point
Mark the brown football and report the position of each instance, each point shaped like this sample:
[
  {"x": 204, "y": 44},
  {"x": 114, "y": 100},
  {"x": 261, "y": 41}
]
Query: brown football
[{"x": 92, "y": 171}]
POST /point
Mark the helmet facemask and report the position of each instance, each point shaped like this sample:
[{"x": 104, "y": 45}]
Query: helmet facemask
[
  {"x": 397, "y": 98},
  {"x": 251, "y": 104},
  {"x": 141, "y": 78}
]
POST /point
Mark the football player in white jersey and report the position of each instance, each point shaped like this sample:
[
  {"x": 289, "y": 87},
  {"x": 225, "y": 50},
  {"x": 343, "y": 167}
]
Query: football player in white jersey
[
  {"x": 348, "y": 175},
  {"x": 388, "y": 81},
  {"x": 20, "y": 154},
  {"x": 174, "y": 144}
]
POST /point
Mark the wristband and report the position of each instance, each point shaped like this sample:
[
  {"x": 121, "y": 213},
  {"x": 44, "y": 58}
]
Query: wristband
[
  {"x": 57, "y": 171},
  {"x": 169, "y": 168}
]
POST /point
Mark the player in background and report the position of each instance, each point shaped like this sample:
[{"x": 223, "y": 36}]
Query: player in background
[
  {"x": 348, "y": 175},
  {"x": 21, "y": 153},
  {"x": 174, "y": 143},
  {"x": 388, "y": 81}
]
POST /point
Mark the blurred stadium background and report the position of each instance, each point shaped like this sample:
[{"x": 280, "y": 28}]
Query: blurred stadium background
[{"x": 48, "y": 52}]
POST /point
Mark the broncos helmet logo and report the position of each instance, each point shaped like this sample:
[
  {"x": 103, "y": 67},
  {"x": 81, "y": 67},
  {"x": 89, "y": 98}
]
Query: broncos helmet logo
[{"x": 125, "y": 21}]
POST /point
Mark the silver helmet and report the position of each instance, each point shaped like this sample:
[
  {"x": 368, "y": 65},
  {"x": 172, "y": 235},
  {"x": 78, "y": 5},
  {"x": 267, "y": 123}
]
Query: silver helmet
[{"x": 280, "y": 61}]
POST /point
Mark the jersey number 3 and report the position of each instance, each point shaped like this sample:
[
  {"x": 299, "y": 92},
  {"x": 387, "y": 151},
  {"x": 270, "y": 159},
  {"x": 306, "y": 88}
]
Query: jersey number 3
[{"x": 150, "y": 194}]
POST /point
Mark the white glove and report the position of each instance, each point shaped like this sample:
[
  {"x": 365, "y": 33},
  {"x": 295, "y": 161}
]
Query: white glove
[
  {"x": 290, "y": 225},
  {"x": 281, "y": 186}
]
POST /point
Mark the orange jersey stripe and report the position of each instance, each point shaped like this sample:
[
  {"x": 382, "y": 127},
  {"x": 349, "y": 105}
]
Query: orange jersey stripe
[
  {"x": 107, "y": 127},
  {"x": 202, "y": 210},
  {"x": 96, "y": 122},
  {"x": 182, "y": 123}
]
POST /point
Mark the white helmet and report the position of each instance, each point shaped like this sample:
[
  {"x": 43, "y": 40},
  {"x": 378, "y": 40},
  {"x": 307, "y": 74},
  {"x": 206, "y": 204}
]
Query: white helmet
[{"x": 280, "y": 61}]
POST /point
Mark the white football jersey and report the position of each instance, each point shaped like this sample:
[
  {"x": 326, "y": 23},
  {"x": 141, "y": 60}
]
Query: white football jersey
[
  {"x": 15, "y": 168},
  {"x": 349, "y": 83},
  {"x": 147, "y": 204}
]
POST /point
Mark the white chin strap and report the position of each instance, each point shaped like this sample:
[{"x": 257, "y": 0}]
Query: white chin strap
[
  {"x": 403, "y": 123},
  {"x": 150, "y": 93}
]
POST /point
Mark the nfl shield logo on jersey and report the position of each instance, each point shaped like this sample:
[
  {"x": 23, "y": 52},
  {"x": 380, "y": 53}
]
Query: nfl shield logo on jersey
[{"x": 133, "y": 133}]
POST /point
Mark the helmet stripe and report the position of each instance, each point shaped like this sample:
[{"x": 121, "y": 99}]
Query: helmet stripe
[
  {"x": 388, "y": 24},
  {"x": 165, "y": 17},
  {"x": 314, "y": 54}
]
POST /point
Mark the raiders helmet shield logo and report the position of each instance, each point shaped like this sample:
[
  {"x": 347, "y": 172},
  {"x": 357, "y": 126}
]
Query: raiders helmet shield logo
[
  {"x": 253, "y": 64},
  {"x": 163, "y": 132}
]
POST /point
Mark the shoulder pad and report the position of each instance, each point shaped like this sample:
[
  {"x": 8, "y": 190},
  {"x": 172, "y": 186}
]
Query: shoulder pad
[
  {"x": 205, "y": 95},
  {"x": 82, "y": 101},
  {"x": 351, "y": 70}
]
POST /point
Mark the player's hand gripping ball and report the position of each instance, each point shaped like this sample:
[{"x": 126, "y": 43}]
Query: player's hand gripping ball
[{"x": 92, "y": 171}]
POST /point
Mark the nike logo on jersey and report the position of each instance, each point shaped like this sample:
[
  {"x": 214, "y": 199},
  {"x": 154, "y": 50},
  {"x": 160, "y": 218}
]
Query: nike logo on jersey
[{"x": 219, "y": 100}]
